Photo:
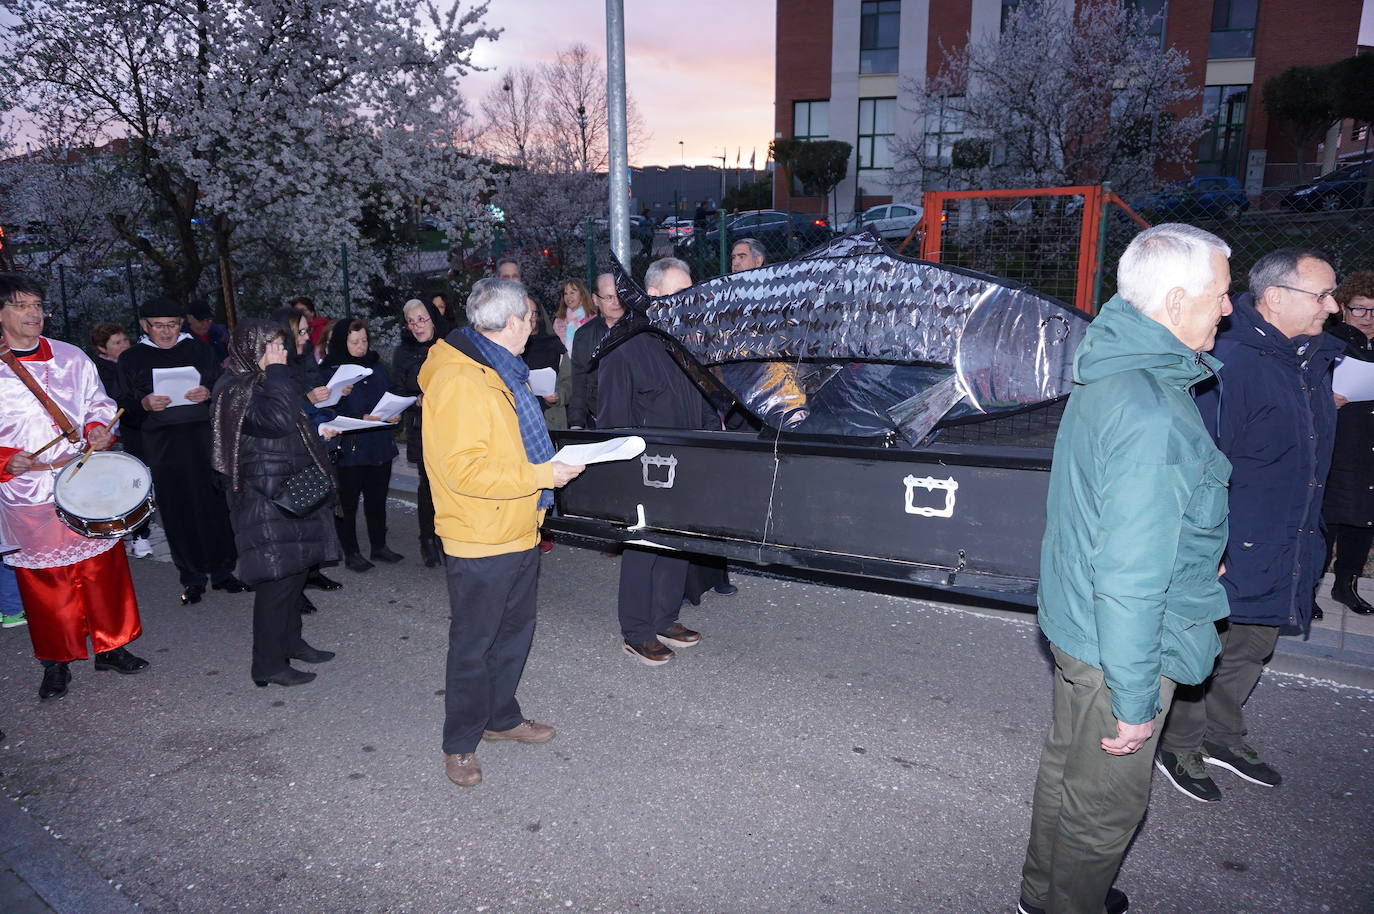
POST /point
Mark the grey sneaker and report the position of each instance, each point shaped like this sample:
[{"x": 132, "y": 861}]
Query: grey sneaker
[
  {"x": 1188, "y": 775},
  {"x": 1242, "y": 760}
]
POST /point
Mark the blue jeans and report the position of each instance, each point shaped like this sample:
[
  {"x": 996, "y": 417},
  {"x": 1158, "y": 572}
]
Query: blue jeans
[{"x": 10, "y": 604}]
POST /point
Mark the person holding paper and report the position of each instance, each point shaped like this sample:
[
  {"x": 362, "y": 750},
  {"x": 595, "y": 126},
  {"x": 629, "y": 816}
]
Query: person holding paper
[
  {"x": 364, "y": 457},
  {"x": 489, "y": 459},
  {"x": 176, "y": 447},
  {"x": 1348, "y": 507},
  {"x": 425, "y": 326}
]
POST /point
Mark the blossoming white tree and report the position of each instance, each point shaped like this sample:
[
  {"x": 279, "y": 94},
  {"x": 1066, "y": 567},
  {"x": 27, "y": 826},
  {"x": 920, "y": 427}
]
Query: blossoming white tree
[{"x": 257, "y": 124}]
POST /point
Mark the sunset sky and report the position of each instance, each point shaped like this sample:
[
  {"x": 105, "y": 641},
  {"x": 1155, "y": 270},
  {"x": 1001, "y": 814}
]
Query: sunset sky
[{"x": 700, "y": 72}]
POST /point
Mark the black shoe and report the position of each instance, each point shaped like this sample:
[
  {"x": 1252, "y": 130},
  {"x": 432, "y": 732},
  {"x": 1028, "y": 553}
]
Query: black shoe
[
  {"x": 232, "y": 584},
  {"x": 1345, "y": 593},
  {"x": 55, "y": 679},
  {"x": 192, "y": 594},
  {"x": 307, "y": 654},
  {"x": 1187, "y": 772},
  {"x": 430, "y": 551},
  {"x": 1317, "y": 613},
  {"x": 317, "y": 580},
  {"x": 1116, "y": 903},
  {"x": 1241, "y": 760},
  {"x": 121, "y": 661},
  {"x": 355, "y": 562},
  {"x": 383, "y": 554},
  {"x": 726, "y": 590},
  {"x": 307, "y": 607},
  {"x": 287, "y": 677}
]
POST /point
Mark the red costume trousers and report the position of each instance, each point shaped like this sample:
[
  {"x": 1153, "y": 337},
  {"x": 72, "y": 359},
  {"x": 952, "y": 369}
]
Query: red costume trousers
[{"x": 65, "y": 604}]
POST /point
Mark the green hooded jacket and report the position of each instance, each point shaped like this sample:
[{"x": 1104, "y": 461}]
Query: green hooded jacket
[{"x": 1136, "y": 515}]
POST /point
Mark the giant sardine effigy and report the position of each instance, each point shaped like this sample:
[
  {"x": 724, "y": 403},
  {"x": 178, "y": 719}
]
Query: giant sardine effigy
[{"x": 856, "y": 341}]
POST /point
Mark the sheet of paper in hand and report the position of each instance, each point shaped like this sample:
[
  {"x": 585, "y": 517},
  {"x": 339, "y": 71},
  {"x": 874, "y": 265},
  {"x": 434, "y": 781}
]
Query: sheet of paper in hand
[
  {"x": 174, "y": 383},
  {"x": 349, "y": 424},
  {"x": 390, "y": 406},
  {"x": 543, "y": 381},
  {"x": 344, "y": 375},
  {"x": 1354, "y": 379},
  {"x": 626, "y": 448}
]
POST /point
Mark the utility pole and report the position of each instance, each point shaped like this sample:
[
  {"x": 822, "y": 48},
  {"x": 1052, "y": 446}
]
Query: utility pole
[{"x": 618, "y": 142}]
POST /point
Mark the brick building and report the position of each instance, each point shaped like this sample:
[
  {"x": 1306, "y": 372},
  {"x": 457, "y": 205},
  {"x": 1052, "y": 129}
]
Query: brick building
[{"x": 841, "y": 68}]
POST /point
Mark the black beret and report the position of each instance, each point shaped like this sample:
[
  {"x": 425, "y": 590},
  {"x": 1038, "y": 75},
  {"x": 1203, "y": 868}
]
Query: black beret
[{"x": 161, "y": 306}]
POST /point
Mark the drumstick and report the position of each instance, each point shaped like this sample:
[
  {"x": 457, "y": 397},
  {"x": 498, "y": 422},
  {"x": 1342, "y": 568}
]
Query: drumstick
[
  {"x": 59, "y": 437},
  {"x": 85, "y": 455}
]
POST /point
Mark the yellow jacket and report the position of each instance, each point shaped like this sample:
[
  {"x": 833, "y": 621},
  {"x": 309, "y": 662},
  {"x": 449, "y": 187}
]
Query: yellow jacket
[{"x": 486, "y": 491}]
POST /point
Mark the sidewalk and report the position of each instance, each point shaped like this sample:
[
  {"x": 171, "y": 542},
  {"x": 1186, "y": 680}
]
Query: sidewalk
[{"x": 40, "y": 875}]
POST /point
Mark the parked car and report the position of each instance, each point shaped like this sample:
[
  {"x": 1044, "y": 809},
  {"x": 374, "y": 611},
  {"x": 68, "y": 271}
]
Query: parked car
[
  {"x": 893, "y": 221},
  {"x": 677, "y": 227},
  {"x": 1340, "y": 188},
  {"x": 1197, "y": 198},
  {"x": 779, "y": 232},
  {"x": 641, "y": 231}
]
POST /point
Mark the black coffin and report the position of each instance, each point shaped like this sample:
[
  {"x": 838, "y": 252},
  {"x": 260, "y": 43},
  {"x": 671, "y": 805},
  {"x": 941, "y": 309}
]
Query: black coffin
[{"x": 961, "y": 516}]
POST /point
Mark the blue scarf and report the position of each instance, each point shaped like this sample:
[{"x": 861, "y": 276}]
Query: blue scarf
[{"x": 515, "y": 375}]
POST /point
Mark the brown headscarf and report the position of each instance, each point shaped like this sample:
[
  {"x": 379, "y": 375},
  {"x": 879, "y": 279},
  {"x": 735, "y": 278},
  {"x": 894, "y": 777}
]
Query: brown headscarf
[{"x": 234, "y": 392}]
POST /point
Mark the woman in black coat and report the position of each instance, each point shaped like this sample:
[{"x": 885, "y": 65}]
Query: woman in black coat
[
  {"x": 1348, "y": 507},
  {"x": 261, "y": 439},
  {"x": 364, "y": 457},
  {"x": 424, "y": 326}
]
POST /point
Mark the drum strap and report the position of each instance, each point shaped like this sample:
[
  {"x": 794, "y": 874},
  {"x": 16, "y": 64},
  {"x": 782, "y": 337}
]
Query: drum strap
[{"x": 22, "y": 373}]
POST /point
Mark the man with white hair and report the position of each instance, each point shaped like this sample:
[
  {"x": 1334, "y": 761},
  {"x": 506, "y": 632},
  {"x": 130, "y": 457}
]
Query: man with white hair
[
  {"x": 747, "y": 254},
  {"x": 489, "y": 461},
  {"x": 1134, "y": 534},
  {"x": 1273, "y": 414}
]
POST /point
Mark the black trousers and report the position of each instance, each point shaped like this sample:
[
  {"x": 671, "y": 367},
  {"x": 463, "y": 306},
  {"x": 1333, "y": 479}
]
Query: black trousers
[
  {"x": 276, "y": 623},
  {"x": 491, "y": 627},
  {"x": 372, "y": 484},
  {"x": 424, "y": 502},
  {"x": 651, "y": 590},
  {"x": 1352, "y": 547}
]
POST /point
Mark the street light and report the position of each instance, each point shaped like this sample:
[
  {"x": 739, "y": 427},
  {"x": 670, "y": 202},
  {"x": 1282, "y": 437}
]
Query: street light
[{"x": 582, "y": 126}]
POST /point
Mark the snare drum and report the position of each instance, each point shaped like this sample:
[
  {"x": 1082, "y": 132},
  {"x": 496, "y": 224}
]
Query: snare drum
[{"x": 111, "y": 495}]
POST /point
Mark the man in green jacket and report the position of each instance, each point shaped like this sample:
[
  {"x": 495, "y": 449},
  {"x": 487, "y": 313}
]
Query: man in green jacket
[{"x": 1135, "y": 529}]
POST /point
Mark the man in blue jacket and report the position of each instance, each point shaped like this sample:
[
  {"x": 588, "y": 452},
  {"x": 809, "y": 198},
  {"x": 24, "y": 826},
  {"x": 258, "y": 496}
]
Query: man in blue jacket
[
  {"x": 1135, "y": 528},
  {"x": 1271, "y": 411}
]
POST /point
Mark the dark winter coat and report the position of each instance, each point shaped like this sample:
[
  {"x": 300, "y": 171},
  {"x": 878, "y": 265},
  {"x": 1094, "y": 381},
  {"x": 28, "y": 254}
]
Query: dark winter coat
[
  {"x": 375, "y": 446},
  {"x": 1271, "y": 412},
  {"x": 1350, "y": 487},
  {"x": 642, "y": 387},
  {"x": 130, "y": 438},
  {"x": 136, "y": 366},
  {"x": 582, "y": 399},
  {"x": 406, "y": 363},
  {"x": 272, "y": 544}
]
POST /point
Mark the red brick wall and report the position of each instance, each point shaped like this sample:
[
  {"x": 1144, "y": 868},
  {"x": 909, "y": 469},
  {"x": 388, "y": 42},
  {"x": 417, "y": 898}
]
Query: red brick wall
[
  {"x": 802, "y": 74},
  {"x": 948, "y": 24},
  {"x": 1188, "y": 29}
]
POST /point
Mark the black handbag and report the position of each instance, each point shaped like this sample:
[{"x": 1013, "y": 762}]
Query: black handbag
[{"x": 303, "y": 491}]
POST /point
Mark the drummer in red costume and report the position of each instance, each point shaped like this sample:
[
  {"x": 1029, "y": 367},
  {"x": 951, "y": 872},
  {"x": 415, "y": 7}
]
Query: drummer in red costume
[{"x": 73, "y": 587}]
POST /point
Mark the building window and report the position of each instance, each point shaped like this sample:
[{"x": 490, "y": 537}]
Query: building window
[
  {"x": 944, "y": 125},
  {"x": 811, "y": 120},
  {"x": 1008, "y": 7},
  {"x": 878, "y": 38},
  {"x": 1223, "y": 143},
  {"x": 1155, "y": 13},
  {"x": 1233, "y": 29},
  {"x": 876, "y": 117}
]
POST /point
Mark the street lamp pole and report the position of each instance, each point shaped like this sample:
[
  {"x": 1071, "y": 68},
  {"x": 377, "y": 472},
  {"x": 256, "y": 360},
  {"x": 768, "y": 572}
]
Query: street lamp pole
[{"x": 618, "y": 141}]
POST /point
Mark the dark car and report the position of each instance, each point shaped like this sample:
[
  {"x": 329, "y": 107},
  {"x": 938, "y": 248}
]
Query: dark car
[
  {"x": 1197, "y": 198},
  {"x": 781, "y": 233},
  {"x": 1341, "y": 188}
]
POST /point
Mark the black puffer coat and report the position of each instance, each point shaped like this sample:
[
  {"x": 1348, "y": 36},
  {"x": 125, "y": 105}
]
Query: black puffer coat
[
  {"x": 271, "y": 544},
  {"x": 1350, "y": 487},
  {"x": 406, "y": 363}
]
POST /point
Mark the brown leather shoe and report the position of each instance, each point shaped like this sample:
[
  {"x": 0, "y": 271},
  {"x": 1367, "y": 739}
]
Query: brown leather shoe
[
  {"x": 463, "y": 769},
  {"x": 652, "y": 653},
  {"x": 527, "y": 731},
  {"x": 679, "y": 635}
]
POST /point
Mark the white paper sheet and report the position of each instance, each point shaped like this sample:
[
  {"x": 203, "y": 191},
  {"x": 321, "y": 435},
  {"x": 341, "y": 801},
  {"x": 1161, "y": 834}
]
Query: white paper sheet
[
  {"x": 626, "y": 448},
  {"x": 344, "y": 375},
  {"x": 349, "y": 424},
  {"x": 1354, "y": 379},
  {"x": 543, "y": 381},
  {"x": 390, "y": 405},
  {"x": 174, "y": 382}
]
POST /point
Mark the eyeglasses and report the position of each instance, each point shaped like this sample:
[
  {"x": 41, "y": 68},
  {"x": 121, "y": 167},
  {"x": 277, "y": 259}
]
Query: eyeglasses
[
  {"x": 1359, "y": 312},
  {"x": 1323, "y": 298},
  {"x": 417, "y": 321},
  {"x": 605, "y": 297},
  {"x": 164, "y": 325},
  {"x": 29, "y": 306},
  {"x": 304, "y": 331}
]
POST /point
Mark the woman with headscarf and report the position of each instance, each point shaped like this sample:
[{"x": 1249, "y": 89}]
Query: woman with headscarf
[
  {"x": 261, "y": 439},
  {"x": 364, "y": 457},
  {"x": 424, "y": 326},
  {"x": 575, "y": 308}
]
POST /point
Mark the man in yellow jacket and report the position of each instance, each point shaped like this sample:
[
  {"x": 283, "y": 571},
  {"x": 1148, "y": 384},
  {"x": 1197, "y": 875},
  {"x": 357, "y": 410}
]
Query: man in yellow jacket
[{"x": 489, "y": 461}]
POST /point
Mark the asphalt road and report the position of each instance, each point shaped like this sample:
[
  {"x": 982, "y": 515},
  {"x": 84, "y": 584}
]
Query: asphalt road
[{"x": 822, "y": 750}]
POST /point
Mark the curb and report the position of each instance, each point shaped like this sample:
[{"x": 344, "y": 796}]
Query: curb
[{"x": 63, "y": 880}]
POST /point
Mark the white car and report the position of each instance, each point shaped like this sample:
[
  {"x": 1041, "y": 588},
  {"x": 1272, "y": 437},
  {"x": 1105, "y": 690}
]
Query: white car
[{"x": 893, "y": 221}]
